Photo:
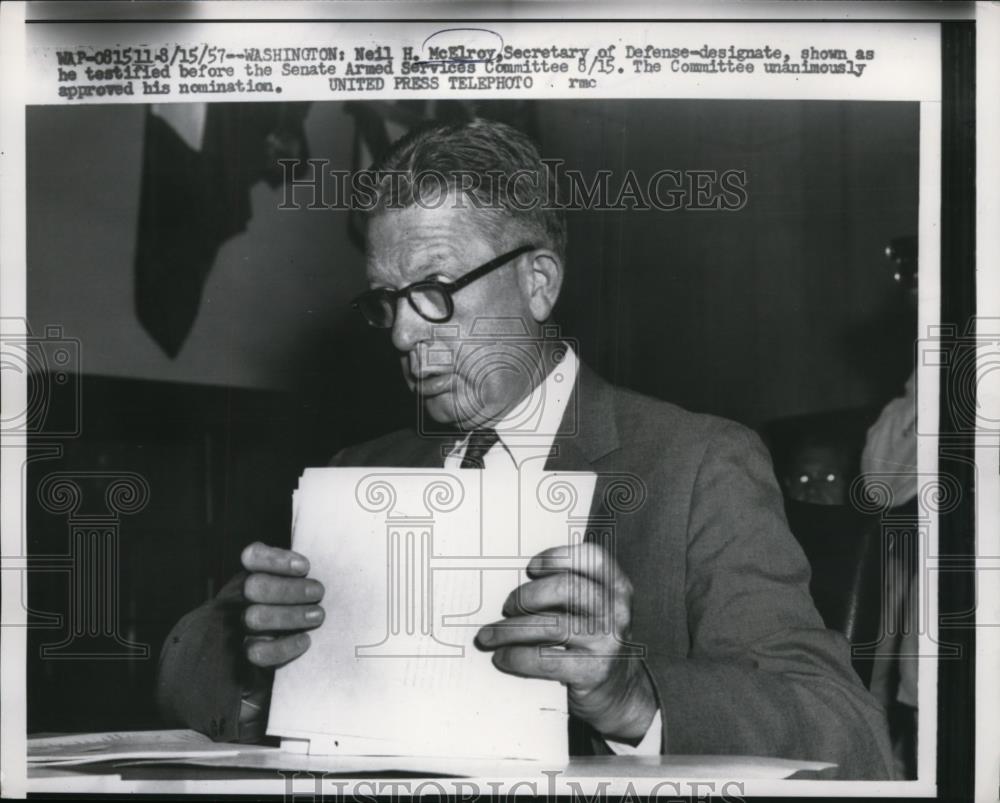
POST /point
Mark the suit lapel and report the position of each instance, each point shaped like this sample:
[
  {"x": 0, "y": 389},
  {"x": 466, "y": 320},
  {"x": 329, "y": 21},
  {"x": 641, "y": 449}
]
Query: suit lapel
[
  {"x": 587, "y": 433},
  {"x": 588, "y": 430}
]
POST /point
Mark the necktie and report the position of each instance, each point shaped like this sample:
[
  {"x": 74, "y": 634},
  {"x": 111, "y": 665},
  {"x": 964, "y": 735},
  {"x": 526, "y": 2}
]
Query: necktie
[{"x": 480, "y": 442}]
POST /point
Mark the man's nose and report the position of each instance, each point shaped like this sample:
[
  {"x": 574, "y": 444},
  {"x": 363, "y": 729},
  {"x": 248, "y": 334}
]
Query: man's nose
[{"x": 409, "y": 328}]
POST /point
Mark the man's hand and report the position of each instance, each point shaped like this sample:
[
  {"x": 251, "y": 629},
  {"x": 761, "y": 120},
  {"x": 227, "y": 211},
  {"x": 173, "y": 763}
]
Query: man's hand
[
  {"x": 282, "y": 605},
  {"x": 570, "y": 623}
]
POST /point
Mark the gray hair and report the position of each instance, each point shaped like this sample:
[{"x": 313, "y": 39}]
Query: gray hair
[{"x": 483, "y": 165}]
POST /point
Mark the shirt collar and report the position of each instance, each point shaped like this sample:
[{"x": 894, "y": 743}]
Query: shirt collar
[{"x": 529, "y": 429}]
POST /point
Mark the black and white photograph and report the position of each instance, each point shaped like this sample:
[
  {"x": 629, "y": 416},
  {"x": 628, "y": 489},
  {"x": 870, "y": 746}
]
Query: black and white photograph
[{"x": 480, "y": 405}]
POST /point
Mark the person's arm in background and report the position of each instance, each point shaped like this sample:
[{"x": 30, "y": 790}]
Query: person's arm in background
[
  {"x": 764, "y": 676},
  {"x": 889, "y": 457}
]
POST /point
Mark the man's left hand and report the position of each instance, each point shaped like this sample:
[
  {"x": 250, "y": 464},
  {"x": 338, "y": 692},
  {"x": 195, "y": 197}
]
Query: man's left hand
[{"x": 570, "y": 623}]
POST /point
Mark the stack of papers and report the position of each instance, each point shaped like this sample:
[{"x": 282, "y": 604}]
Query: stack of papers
[
  {"x": 414, "y": 562},
  {"x": 88, "y": 748},
  {"x": 131, "y": 751}
]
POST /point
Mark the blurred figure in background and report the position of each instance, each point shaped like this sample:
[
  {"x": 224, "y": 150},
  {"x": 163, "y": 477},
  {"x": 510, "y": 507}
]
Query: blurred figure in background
[
  {"x": 818, "y": 473},
  {"x": 816, "y": 457},
  {"x": 889, "y": 461},
  {"x": 891, "y": 443}
]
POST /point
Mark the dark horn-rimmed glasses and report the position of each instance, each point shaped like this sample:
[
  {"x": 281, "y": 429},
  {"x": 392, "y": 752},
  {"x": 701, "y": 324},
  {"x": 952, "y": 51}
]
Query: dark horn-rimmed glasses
[{"x": 430, "y": 298}]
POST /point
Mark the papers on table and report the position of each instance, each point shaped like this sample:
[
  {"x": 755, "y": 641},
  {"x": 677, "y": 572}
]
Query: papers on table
[
  {"x": 414, "y": 562},
  {"x": 132, "y": 753},
  {"x": 87, "y": 748},
  {"x": 579, "y": 767}
]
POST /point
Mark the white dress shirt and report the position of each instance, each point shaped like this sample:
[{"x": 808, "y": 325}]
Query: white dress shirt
[{"x": 527, "y": 433}]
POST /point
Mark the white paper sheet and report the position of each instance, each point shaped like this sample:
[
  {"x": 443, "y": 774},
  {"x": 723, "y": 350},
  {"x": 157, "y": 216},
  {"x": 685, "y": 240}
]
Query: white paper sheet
[{"x": 414, "y": 562}]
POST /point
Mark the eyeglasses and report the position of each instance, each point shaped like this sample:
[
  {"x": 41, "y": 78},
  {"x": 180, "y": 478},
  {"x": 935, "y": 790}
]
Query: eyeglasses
[{"x": 430, "y": 298}]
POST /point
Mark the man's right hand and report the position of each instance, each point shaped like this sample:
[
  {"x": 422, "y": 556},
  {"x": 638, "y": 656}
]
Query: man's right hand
[{"x": 282, "y": 603}]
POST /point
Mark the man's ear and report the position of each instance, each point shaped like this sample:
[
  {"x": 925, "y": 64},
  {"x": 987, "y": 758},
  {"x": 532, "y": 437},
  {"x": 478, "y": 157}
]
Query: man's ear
[{"x": 541, "y": 277}]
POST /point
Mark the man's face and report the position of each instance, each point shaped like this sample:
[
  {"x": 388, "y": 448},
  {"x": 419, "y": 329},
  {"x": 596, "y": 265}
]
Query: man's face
[{"x": 408, "y": 245}]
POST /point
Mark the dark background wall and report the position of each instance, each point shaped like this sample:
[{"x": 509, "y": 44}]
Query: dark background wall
[
  {"x": 752, "y": 314},
  {"x": 781, "y": 308}
]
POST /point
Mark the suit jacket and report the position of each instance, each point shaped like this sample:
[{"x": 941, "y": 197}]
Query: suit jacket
[{"x": 738, "y": 655}]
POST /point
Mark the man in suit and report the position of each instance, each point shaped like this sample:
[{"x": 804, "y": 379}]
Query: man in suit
[{"x": 709, "y": 643}]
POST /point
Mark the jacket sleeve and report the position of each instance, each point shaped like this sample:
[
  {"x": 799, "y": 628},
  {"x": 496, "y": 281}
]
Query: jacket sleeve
[
  {"x": 202, "y": 673},
  {"x": 763, "y": 675}
]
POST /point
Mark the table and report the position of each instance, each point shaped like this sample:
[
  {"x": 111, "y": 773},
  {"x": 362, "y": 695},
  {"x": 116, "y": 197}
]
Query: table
[{"x": 274, "y": 772}]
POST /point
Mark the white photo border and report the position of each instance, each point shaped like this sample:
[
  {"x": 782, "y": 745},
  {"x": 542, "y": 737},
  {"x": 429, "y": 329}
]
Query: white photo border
[{"x": 20, "y": 89}]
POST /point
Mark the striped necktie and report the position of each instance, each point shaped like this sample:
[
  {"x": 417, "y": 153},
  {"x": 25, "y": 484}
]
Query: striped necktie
[{"x": 480, "y": 442}]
